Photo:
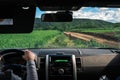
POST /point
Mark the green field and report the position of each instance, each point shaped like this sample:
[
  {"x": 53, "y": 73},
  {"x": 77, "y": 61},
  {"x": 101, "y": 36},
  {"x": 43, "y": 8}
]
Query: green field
[
  {"x": 114, "y": 32},
  {"x": 43, "y": 39},
  {"x": 50, "y": 35},
  {"x": 33, "y": 40},
  {"x": 98, "y": 30}
]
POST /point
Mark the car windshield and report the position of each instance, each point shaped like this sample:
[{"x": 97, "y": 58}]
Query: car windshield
[{"x": 92, "y": 27}]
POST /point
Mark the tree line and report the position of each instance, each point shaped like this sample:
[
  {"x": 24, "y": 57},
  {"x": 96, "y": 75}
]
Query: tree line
[{"x": 76, "y": 24}]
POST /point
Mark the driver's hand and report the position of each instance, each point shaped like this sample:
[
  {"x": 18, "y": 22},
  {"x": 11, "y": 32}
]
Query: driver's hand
[{"x": 28, "y": 55}]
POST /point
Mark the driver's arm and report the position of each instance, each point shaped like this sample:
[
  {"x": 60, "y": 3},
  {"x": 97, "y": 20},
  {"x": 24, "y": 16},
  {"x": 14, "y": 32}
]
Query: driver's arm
[
  {"x": 15, "y": 77},
  {"x": 31, "y": 68}
]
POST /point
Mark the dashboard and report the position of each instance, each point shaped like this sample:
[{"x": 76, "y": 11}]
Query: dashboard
[
  {"x": 74, "y": 64},
  {"x": 81, "y": 63}
]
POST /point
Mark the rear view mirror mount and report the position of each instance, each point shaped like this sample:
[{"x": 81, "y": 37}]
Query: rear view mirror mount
[{"x": 57, "y": 17}]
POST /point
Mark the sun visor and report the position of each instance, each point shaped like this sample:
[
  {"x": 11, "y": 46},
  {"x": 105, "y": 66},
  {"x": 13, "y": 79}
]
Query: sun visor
[{"x": 17, "y": 18}]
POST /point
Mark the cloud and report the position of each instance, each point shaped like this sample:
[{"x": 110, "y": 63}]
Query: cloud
[
  {"x": 50, "y": 11},
  {"x": 119, "y": 9},
  {"x": 103, "y": 9},
  {"x": 106, "y": 14}
]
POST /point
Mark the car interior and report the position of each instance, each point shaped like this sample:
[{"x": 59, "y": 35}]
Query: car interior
[{"x": 73, "y": 39}]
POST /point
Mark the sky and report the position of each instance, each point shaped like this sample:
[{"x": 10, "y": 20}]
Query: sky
[{"x": 106, "y": 14}]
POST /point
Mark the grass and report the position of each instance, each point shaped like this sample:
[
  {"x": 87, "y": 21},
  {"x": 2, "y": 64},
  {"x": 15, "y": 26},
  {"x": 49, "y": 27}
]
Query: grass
[
  {"x": 44, "y": 39},
  {"x": 115, "y": 32},
  {"x": 117, "y": 35},
  {"x": 96, "y": 30},
  {"x": 90, "y": 44},
  {"x": 63, "y": 42},
  {"x": 33, "y": 40},
  {"x": 60, "y": 41}
]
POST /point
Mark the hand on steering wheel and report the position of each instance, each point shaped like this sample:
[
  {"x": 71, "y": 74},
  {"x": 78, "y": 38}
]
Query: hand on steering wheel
[{"x": 26, "y": 55}]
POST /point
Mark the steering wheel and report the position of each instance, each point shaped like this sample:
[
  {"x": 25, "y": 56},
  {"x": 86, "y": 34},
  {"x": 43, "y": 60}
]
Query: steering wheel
[{"x": 17, "y": 68}]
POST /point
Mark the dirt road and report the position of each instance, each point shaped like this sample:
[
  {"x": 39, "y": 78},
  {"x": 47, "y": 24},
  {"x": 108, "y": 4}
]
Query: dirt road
[{"x": 87, "y": 37}]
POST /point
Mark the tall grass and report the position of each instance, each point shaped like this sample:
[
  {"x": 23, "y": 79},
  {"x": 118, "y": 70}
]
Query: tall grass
[
  {"x": 44, "y": 39},
  {"x": 33, "y": 40},
  {"x": 96, "y": 30},
  {"x": 60, "y": 41},
  {"x": 63, "y": 41},
  {"x": 91, "y": 44}
]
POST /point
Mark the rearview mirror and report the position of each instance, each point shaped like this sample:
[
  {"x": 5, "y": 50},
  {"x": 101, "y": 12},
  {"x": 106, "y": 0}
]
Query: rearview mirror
[{"x": 57, "y": 17}]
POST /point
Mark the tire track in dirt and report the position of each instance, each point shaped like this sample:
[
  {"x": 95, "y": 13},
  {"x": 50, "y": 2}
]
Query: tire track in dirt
[{"x": 87, "y": 37}]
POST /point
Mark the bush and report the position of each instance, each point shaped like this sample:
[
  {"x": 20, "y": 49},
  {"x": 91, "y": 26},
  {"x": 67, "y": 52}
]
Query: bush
[{"x": 60, "y": 41}]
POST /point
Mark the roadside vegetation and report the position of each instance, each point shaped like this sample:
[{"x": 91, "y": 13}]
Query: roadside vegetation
[
  {"x": 50, "y": 35},
  {"x": 43, "y": 39},
  {"x": 36, "y": 39},
  {"x": 81, "y": 25},
  {"x": 63, "y": 42}
]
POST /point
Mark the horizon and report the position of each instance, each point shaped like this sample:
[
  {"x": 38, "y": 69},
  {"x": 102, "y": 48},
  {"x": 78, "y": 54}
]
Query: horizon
[{"x": 88, "y": 19}]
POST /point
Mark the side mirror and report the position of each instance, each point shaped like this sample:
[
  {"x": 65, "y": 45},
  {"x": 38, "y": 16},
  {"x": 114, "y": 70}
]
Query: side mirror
[{"x": 57, "y": 17}]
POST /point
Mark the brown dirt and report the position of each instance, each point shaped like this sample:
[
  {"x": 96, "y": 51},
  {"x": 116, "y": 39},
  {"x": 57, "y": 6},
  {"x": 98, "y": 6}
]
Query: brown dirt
[{"x": 87, "y": 37}]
